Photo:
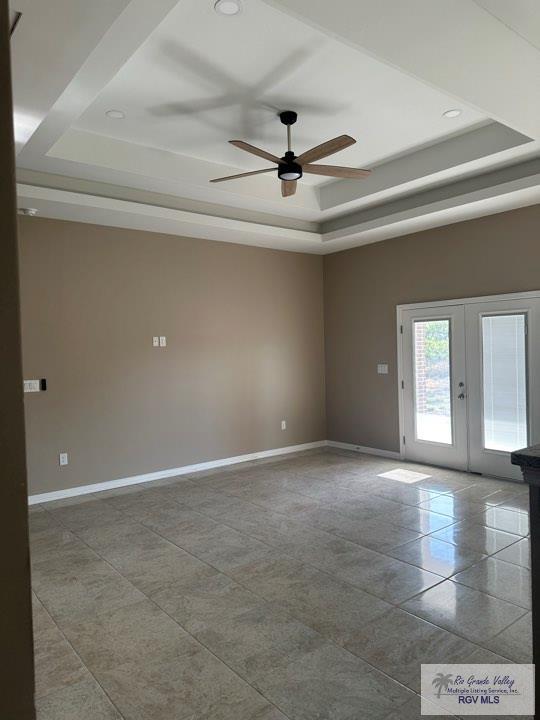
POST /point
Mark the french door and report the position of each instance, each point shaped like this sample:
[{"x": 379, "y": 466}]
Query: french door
[{"x": 470, "y": 385}]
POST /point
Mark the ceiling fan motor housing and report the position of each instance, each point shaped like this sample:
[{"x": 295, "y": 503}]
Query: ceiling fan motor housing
[
  {"x": 289, "y": 169},
  {"x": 288, "y": 117}
]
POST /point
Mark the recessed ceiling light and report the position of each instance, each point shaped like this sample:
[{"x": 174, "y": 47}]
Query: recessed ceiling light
[
  {"x": 115, "y": 114},
  {"x": 455, "y": 112},
  {"x": 228, "y": 7}
]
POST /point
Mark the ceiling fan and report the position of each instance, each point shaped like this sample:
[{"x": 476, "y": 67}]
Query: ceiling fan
[{"x": 290, "y": 167}]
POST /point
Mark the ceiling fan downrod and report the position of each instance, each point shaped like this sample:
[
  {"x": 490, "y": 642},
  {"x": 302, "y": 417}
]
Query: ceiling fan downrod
[
  {"x": 288, "y": 118},
  {"x": 288, "y": 169}
]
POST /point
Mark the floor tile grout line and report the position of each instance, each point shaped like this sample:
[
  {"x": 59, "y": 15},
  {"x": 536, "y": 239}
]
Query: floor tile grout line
[
  {"x": 280, "y": 550},
  {"x": 468, "y": 547},
  {"x": 316, "y": 499},
  {"x": 355, "y": 587},
  {"x": 60, "y": 627},
  {"x": 474, "y": 565},
  {"x": 162, "y": 610},
  {"x": 455, "y": 520},
  {"x": 308, "y": 475},
  {"x": 336, "y": 535},
  {"x": 85, "y": 666},
  {"x": 511, "y": 625},
  {"x": 434, "y": 492},
  {"x": 329, "y": 533},
  {"x": 383, "y": 553},
  {"x": 197, "y": 511},
  {"x": 325, "y": 638},
  {"x": 277, "y": 548},
  {"x": 330, "y": 640},
  {"x": 511, "y": 562},
  {"x": 485, "y": 592},
  {"x": 470, "y": 587},
  {"x": 333, "y": 577},
  {"x": 269, "y": 603}
]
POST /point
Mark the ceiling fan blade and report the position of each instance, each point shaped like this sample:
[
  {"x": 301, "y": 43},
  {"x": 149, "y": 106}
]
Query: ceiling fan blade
[
  {"x": 327, "y": 148},
  {"x": 255, "y": 150},
  {"x": 242, "y": 175},
  {"x": 288, "y": 187},
  {"x": 336, "y": 171}
]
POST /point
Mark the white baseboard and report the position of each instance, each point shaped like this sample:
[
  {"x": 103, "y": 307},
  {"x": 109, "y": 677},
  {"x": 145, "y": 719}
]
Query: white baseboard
[
  {"x": 171, "y": 472},
  {"x": 211, "y": 464},
  {"x": 363, "y": 449}
]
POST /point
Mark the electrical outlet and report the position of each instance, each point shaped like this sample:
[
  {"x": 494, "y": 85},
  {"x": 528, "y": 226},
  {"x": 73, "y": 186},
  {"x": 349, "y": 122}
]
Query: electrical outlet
[
  {"x": 283, "y": 424},
  {"x": 155, "y": 341},
  {"x": 63, "y": 459},
  {"x": 162, "y": 341}
]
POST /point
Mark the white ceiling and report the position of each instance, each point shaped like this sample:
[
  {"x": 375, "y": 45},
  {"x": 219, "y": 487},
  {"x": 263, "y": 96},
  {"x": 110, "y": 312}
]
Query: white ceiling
[
  {"x": 201, "y": 79},
  {"x": 189, "y": 79}
]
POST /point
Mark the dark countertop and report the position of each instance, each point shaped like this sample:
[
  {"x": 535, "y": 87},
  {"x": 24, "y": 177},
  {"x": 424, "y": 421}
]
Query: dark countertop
[{"x": 528, "y": 457}]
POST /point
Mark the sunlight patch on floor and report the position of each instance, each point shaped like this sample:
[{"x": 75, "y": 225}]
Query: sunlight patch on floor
[{"x": 404, "y": 476}]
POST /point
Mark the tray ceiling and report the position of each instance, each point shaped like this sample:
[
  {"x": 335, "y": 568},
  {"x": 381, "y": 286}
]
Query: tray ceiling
[{"x": 187, "y": 80}]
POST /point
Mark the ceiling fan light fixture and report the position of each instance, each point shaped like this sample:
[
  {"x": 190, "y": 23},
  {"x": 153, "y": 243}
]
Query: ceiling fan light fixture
[
  {"x": 228, "y": 7},
  {"x": 289, "y": 171}
]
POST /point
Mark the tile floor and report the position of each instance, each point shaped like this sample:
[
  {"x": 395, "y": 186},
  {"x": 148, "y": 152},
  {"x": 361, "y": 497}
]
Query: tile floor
[{"x": 307, "y": 588}]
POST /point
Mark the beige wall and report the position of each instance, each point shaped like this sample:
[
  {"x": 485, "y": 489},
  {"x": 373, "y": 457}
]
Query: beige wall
[
  {"x": 245, "y": 349},
  {"x": 496, "y": 254},
  {"x": 245, "y": 333}
]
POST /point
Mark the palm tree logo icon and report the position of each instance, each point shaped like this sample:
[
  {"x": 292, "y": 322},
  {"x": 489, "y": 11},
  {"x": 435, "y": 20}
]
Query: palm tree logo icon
[{"x": 441, "y": 682}]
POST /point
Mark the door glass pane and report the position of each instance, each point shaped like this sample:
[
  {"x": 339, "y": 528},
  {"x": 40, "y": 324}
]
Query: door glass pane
[
  {"x": 504, "y": 382},
  {"x": 433, "y": 405}
]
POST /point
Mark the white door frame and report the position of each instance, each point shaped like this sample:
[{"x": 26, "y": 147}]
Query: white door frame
[{"x": 435, "y": 304}]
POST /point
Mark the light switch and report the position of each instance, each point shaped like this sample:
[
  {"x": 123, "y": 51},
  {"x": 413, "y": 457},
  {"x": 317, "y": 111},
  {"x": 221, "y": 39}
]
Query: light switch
[
  {"x": 155, "y": 341},
  {"x": 32, "y": 386},
  {"x": 283, "y": 424},
  {"x": 162, "y": 341},
  {"x": 382, "y": 368}
]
